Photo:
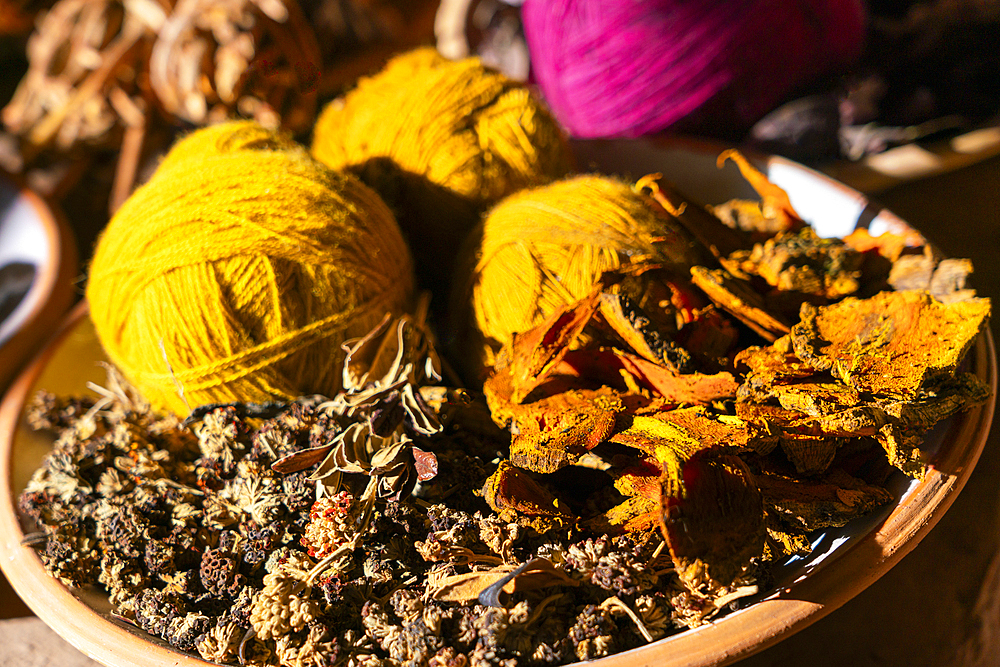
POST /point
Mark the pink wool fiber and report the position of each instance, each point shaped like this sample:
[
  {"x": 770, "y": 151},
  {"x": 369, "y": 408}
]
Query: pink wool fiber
[{"x": 635, "y": 67}]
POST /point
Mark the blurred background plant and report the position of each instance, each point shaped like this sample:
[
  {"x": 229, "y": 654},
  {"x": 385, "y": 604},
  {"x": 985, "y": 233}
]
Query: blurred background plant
[{"x": 95, "y": 91}]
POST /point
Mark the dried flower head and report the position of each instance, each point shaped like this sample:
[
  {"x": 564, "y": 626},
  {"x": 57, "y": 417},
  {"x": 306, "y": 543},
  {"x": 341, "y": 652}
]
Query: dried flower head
[
  {"x": 333, "y": 522},
  {"x": 283, "y": 605}
]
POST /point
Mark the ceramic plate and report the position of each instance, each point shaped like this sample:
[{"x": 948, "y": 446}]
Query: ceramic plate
[{"x": 843, "y": 563}]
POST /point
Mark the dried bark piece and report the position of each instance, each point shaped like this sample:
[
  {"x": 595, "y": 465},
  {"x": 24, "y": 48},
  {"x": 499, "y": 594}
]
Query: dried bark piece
[
  {"x": 956, "y": 394},
  {"x": 638, "y": 332},
  {"x": 889, "y": 345},
  {"x": 774, "y": 213},
  {"x": 766, "y": 366},
  {"x": 945, "y": 279},
  {"x": 705, "y": 493},
  {"x": 810, "y": 454},
  {"x": 911, "y": 272},
  {"x": 673, "y": 436},
  {"x": 907, "y": 421},
  {"x": 634, "y": 515},
  {"x": 720, "y": 239},
  {"x": 948, "y": 282},
  {"x": 739, "y": 299},
  {"x": 860, "y": 420},
  {"x": 512, "y": 493},
  {"x": 804, "y": 263},
  {"x": 902, "y": 448},
  {"x": 890, "y": 245},
  {"x": 709, "y": 335},
  {"x": 554, "y": 431},
  {"x": 816, "y": 398},
  {"x": 811, "y": 432},
  {"x": 642, "y": 479},
  {"x": 713, "y": 520},
  {"x": 681, "y": 388},
  {"x": 829, "y": 502},
  {"x": 528, "y": 360}
]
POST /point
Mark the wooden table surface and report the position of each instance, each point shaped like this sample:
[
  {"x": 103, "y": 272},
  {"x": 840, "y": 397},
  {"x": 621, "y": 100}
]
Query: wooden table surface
[{"x": 940, "y": 606}]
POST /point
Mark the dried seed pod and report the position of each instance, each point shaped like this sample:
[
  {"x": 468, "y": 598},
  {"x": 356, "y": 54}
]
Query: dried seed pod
[{"x": 256, "y": 58}]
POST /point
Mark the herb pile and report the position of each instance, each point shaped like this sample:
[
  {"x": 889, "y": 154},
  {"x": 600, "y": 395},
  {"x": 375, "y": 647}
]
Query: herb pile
[
  {"x": 624, "y": 476},
  {"x": 200, "y": 542}
]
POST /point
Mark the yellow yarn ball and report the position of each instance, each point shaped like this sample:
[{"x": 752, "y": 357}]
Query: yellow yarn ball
[
  {"x": 543, "y": 248},
  {"x": 225, "y": 138},
  {"x": 238, "y": 270},
  {"x": 441, "y": 140}
]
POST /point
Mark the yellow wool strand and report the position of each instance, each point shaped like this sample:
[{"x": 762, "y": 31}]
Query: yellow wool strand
[
  {"x": 543, "y": 248},
  {"x": 226, "y": 138},
  {"x": 238, "y": 270},
  {"x": 441, "y": 140}
]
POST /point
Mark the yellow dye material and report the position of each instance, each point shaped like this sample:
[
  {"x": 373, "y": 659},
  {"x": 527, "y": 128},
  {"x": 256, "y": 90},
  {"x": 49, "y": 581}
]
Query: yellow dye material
[
  {"x": 441, "y": 140},
  {"x": 547, "y": 247},
  {"x": 238, "y": 270}
]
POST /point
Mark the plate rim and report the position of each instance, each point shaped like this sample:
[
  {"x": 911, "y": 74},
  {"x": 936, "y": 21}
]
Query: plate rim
[{"x": 51, "y": 290}]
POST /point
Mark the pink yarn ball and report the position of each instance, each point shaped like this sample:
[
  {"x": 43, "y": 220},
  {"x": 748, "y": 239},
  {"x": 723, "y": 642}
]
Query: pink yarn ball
[{"x": 634, "y": 67}]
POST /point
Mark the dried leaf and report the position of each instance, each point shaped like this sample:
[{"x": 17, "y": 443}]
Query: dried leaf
[
  {"x": 301, "y": 459},
  {"x": 392, "y": 352},
  {"x": 533, "y": 575},
  {"x": 349, "y": 452},
  {"x": 366, "y": 357},
  {"x": 419, "y": 416},
  {"x": 890, "y": 245},
  {"x": 426, "y": 464}
]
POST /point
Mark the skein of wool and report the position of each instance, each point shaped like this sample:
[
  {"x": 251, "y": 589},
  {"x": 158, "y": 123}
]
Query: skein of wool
[
  {"x": 441, "y": 140},
  {"x": 546, "y": 247},
  {"x": 238, "y": 270},
  {"x": 636, "y": 67}
]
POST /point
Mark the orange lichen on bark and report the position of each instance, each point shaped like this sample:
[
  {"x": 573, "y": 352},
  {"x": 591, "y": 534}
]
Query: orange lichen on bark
[{"x": 891, "y": 344}]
